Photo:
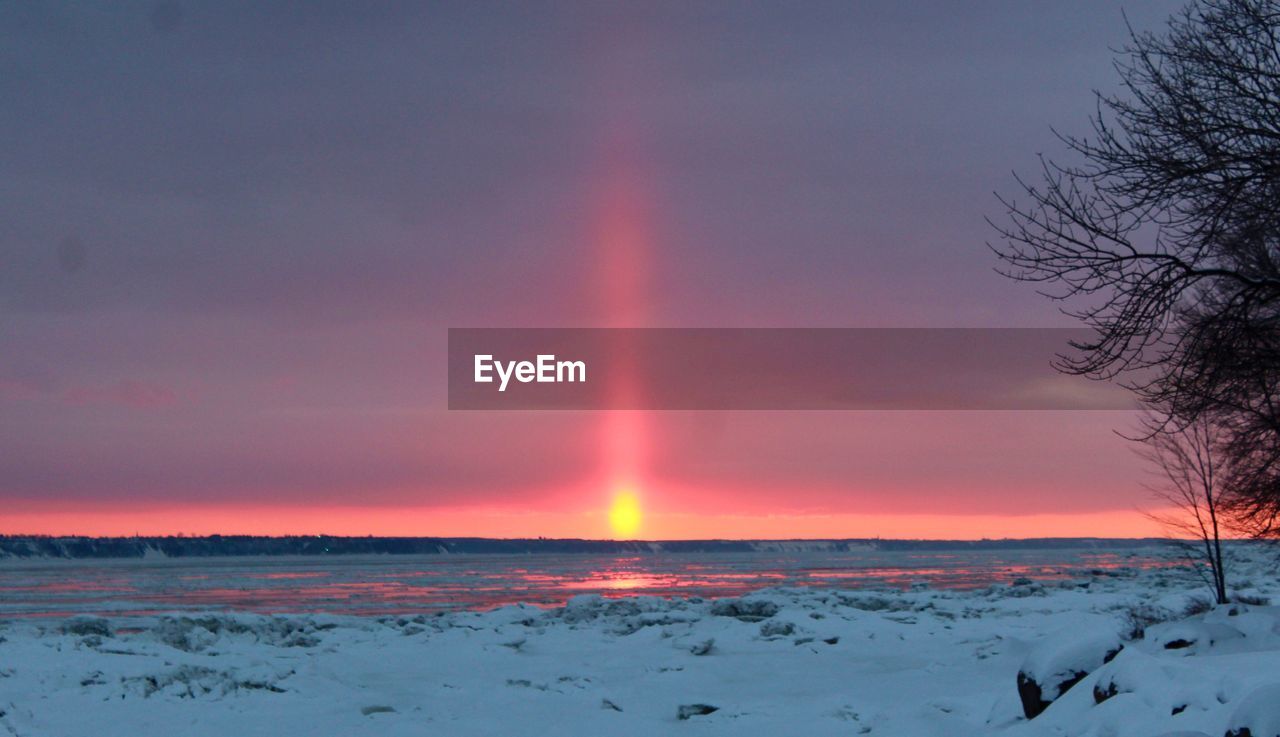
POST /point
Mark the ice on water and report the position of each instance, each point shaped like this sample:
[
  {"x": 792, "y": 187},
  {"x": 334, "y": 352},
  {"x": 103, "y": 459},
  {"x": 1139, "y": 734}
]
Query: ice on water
[{"x": 815, "y": 660}]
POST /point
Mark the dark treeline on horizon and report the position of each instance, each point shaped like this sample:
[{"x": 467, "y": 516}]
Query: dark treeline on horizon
[{"x": 77, "y": 547}]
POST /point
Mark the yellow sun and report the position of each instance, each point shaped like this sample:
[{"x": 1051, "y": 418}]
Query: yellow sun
[{"x": 624, "y": 515}]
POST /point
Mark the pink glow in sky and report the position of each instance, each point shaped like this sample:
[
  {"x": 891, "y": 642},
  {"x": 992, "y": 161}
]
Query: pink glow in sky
[{"x": 230, "y": 248}]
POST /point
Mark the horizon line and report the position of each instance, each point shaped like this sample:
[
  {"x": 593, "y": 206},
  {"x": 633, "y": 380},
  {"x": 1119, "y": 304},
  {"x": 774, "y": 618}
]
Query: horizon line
[{"x": 181, "y": 536}]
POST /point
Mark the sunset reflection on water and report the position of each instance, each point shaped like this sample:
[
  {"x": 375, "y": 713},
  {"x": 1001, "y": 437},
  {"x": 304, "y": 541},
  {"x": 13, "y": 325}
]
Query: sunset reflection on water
[{"x": 418, "y": 584}]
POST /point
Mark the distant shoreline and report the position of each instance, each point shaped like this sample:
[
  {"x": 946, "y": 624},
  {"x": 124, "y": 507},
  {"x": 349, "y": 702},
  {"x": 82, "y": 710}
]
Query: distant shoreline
[{"x": 218, "y": 546}]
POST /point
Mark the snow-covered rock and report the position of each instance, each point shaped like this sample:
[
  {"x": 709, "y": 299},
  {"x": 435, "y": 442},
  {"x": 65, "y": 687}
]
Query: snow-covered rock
[
  {"x": 1190, "y": 637},
  {"x": 1258, "y": 715},
  {"x": 1060, "y": 662},
  {"x": 687, "y": 711},
  {"x": 747, "y": 609},
  {"x": 87, "y": 626}
]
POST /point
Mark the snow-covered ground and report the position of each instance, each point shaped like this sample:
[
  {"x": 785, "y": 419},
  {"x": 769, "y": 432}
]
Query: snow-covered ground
[{"x": 775, "y": 662}]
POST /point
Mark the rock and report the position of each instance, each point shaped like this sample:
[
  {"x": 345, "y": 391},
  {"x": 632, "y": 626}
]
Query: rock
[
  {"x": 85, "y": 626},
  {"x": 194, "y": 681},
  {"x": 1059, "y": 663},
  {"x": 184, "y": 633},
  {"x": 1024, "y": 587},
  {"x": 377, "y": 709},
  {"x": 1149, "y": 678},
  {"x": 1258, "y": 714},
  {"x": 607, "y": 704},
  {"x": 1103, "y": 691},
  {"x": 583, "y": 608},
  {"x": 777, "y": 629},
  {"x": 748, "y": 610},
  {"x": 695, "y": 710},
  {"x": 1192, "y": 636}
]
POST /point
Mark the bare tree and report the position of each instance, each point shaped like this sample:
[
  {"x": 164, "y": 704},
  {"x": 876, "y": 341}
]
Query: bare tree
[
  {"x": 1191, "y": 477},
  {"x": 1162, "y": 232}
]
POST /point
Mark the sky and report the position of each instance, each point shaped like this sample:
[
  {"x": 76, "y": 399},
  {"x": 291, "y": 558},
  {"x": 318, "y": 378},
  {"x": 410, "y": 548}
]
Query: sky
[{"x": 233, "y": 236}]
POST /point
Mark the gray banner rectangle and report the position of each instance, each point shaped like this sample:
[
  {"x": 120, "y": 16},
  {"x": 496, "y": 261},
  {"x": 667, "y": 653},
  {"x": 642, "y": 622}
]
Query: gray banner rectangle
[{"x": 770, "y": 369}]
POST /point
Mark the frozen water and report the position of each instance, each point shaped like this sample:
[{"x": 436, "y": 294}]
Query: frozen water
[{"x": 410, "y": 584}]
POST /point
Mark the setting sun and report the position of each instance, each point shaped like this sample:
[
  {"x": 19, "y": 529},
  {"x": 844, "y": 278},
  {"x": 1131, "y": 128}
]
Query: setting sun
[{"x": 624, "y": 515}]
